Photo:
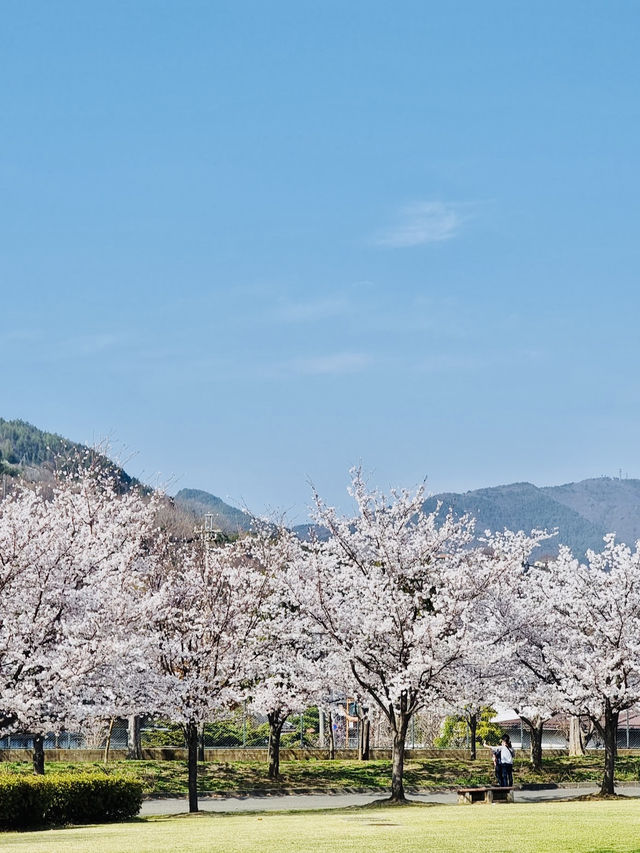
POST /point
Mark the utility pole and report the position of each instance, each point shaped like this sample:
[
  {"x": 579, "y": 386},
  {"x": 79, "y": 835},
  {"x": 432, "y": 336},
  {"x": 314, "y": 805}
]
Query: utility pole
[{"x": 209, "y": 533}]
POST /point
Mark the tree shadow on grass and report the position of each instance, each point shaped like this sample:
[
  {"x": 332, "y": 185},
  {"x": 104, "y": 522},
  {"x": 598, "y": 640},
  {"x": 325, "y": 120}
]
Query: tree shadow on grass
[
  {"x": 597, "y": 796},
  {"x": 387, "y": 803}
]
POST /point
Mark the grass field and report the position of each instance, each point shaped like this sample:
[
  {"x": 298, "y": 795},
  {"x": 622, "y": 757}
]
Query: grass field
[
  {"x": 563, "y": 827},
  {"x": 170, "y": 777}
]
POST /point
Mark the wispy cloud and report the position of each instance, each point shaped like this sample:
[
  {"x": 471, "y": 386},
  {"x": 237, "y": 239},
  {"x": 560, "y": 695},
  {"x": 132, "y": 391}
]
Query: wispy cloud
[
  {"x": 332, "y": 364},
  {"x": 460, "y": 363},
  {"x": 342, "y": 362},
  {"x": 20, "y": 336},
  {"x": 454, "y": 363},
  {"x": 424, "y": 222},
  {"x": 39, "y": 345},
  {"x": 93, "y": 344},
  {"x": 310, "y": 310}
]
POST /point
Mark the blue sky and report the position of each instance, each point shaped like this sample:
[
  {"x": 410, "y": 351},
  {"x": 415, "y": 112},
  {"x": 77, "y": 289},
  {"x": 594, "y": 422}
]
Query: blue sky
[{"x": 255, "y": 243}]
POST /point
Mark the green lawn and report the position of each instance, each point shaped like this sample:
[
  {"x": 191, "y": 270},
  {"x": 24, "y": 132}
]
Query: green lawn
[
  {"x": 570, "y": 827},
  {"x": 170, "y": 777}
]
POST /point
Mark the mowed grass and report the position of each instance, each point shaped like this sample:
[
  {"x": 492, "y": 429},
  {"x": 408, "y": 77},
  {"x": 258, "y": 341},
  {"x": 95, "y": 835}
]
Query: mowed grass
[
  {"x": 562, "y": 827},
  {"x": 170, "y": 777}
]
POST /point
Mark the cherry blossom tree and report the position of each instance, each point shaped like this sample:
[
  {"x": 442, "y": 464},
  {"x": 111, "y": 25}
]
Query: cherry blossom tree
[
  {"x": 392, "y": 588},
  {"x": 519, "y": 624},
  {"x": 289, "y": 665},
  {"x": 61, "y": 545},
  {"x": 530, "y": 696},
  {"x": 592, "y": 650},
  {"x": 467, "y": 699},
  {"x": 570, "y": 642},
  {"x": 280, "y": 658},
  {"x": 501, "y": 620},
  {"x": 202, "y": 613},
  {"x": 335, "y": 685},
  {"x": 285, "y": 686}
]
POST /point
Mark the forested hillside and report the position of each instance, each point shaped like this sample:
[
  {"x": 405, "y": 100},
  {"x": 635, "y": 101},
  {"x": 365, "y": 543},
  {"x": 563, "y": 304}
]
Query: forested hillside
[
  {"x": 609, "y": 503},
  {"x": 22, "y": 445},
  {"x": 29, "y": 451}
]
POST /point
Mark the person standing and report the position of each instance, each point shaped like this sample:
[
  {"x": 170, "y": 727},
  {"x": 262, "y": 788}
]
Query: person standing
[{"x": 504, "y": 761}]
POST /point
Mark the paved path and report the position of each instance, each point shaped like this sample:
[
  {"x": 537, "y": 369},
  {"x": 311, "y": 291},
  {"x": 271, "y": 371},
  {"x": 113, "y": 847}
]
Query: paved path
[{"x": 305, "y": 802}]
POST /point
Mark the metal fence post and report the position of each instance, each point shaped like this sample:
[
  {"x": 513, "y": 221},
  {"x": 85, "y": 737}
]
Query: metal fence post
[{"x": 627, "y": 728}]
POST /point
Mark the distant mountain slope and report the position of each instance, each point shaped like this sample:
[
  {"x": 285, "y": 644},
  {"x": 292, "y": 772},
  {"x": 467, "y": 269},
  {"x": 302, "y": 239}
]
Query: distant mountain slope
[
  {"x": 227, "y": 518},
  {"x": 28, "y": 451},
  {"x": 582, "y": 512},
  {"x": 307, "y": 532},
  {"x": 612, "y": 505},
  {"x": 25, "y": 446}
]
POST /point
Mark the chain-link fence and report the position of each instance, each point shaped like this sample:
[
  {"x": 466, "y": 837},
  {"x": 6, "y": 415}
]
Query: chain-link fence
[
  {"x": 71, "y": 740},
  {"x": 239, "y": 729},
  {"x": 313, "y": 729}
]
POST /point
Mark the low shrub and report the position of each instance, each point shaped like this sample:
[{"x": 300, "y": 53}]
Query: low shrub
[{"x": 58, "y": 799}]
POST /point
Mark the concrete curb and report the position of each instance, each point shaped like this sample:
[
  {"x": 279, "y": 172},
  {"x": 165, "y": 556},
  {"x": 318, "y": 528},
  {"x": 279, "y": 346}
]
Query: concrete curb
[{"x": 260, "y": 794}]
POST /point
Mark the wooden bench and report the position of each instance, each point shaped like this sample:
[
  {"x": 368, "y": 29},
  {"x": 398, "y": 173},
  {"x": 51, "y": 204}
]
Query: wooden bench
[{"x": 485, "y": 795}]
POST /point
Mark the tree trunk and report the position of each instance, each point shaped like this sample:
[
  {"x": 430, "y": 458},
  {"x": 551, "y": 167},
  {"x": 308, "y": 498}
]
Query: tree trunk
[
  {"x": 332, "y": 739},
  {"x": 276, "y": 721},
  {"x": 364, "y": 739},
  {"x": 38, "y": 755},
  {"x": 201, "y": 743},
  {"x": 191, "y": 738},
  {"x": 473, "y": 728},
  {"x": 397, "y": 768},
  {"x": 134, "y": 744},
  {"x": 364, "y": 733},
  {"x": 107, "y": 746},
  {"x": 535, "y": 726},
  {"x": 536, "y": 745},
  {"x": 576, "y": 743},
  {"x": 610, "y": 733}
]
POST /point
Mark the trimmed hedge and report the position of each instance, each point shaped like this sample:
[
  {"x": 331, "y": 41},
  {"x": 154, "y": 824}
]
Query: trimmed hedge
[{"x": 59, "y": 798}]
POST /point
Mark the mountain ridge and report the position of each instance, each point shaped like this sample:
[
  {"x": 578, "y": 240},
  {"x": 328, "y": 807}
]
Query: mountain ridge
[
  {"x": 227, "y": 518},
  {"x": 582, "y": 511}
]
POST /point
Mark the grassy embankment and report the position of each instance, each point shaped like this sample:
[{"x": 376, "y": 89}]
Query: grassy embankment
[
  {"x": 562, "y": 827},
  {"x": 170, "y": 777}
]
